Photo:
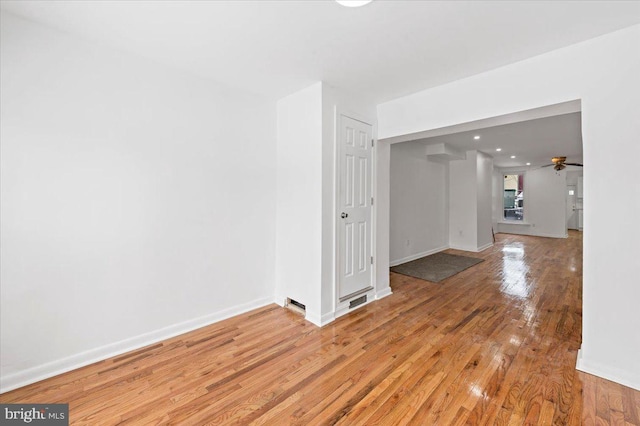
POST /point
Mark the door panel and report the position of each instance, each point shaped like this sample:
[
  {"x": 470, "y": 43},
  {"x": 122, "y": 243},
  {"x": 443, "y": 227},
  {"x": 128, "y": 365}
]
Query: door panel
[
  {"x": 349, "y": 181},
  {"x": 362, "y": 246},
  {"x": 354, "y": 209},
  {"x": 572, "y": 213},
  {"x": 348, "y": 251},
  {"x": 363, "y": 181}
]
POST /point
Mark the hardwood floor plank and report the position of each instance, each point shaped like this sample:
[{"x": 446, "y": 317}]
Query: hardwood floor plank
[
  {"x": 602, "y": 402},
  {"x": 547, "y": 413},
  {"x": 493, "y": 345},
  {"x": 630, "y": 407},
  {"x": 589, "y": 398}
]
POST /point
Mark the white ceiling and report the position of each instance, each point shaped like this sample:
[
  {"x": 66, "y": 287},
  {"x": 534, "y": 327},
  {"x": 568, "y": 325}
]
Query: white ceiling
[
  {"x": 532, "y": 141},
  {"x": 384, "y": 50}
]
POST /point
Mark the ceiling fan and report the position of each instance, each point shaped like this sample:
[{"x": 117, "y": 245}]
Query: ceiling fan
[{"x": 559, "y": 163}]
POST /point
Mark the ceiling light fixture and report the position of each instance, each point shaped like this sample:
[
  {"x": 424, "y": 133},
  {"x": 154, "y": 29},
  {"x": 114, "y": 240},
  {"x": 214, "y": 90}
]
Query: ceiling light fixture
[
  {"x": 353, "y": 3},
  {"x": 513, "y": 156},
  {"x": 528, "y": 164},
  {"x": 476, "y": 137},
  {"x": 498, "y": 149}
]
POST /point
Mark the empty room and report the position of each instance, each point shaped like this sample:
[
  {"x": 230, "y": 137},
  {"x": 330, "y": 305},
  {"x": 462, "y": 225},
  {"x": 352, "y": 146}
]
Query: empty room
[{"x": 319, "y": 212}]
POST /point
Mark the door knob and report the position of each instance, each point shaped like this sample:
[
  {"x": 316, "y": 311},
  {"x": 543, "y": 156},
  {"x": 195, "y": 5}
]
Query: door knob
[{"x": 343, "y": 215}]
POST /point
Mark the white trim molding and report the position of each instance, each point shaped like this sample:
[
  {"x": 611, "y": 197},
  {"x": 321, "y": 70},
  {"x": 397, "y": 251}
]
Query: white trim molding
[
  {"x": 533, "y": 235},
  {"x": 417, "y": 256},
  {"x": 484, "y": 247},
  {"x": 45, "y": 371},
  {"x": 470, "y": 249},
  {"x": 343, "y": 307},
  {"x": 313, "y": 318},
  {"x": 327, "y": 318},
  {"x": 624, "y": 378},
  {"x": 320, "y": 320},
  {"x": 384, "y": 292}
]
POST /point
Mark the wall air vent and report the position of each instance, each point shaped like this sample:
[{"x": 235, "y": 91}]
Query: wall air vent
[
  {"x": 296, "y": 306},
  {"x": 359, "y": 301}
]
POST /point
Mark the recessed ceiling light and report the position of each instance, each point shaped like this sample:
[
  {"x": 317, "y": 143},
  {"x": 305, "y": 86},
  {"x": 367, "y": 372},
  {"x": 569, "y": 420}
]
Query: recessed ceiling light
[
  {"x": 528, "y": 164},
  {"x": 353, "y": 3},
  {"x": 498, "y": 149},
  {"x": 513, "y": 156},
  {"x": 476, "y": 137}
]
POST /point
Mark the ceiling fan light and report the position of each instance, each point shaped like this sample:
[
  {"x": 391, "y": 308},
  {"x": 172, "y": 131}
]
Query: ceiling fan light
[{"x": 353, "y": 3}]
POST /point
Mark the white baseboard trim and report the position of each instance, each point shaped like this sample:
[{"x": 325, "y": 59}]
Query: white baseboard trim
[
  {"x": 464, "y": 248},
  {"x": 327, "y": 318},
  {"x": 534, "y": 235},
  {"x": 342, "y": 308},
  {"x": 320, "y": 320},
  {"x": 313, "y": 318},
  {"x": 384, "y": 292},
  {"x": 550, "y": 235},
  {"x": 35, "y": 374},
  {"x": 484, "y": 247},
  {"x": 624, "y": 378},
  {"x": 280, "y": 301},
  {"x": 342, "y": 311},
  {"x": 416, "y": 256}
]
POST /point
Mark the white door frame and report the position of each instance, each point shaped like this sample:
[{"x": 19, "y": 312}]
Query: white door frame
[{"x": 342, "y": 307}]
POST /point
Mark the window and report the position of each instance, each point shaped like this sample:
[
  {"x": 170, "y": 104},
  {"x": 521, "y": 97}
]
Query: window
[{"x": 513, "y": 197}]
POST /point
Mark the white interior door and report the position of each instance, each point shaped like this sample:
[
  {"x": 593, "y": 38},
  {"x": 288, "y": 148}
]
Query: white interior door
[
  {"x": 354, "y": 207},
  {"x": 572, "y": 212}
]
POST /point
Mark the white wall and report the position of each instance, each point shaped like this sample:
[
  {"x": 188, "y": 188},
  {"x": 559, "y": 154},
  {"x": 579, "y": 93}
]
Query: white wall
[
  {"x": 137, "y": 202},
  {"x": 544, "y": 204},
  {"x": 546, "y": 201},
  {"x": 484, "y": 208},
  {"x": 437, "y": 205},
  {"x": 299, "y": 199},
  {"x": 470, "y": 202},
  {"x": 382, "y": 213},
  {"x": 419, "y": 204},
  {"x": 603, "y": 73},
  {"x": 335, "y": 101},
  {"x": 306, "y": 213},
  {"x": 463, "y": 205},
  {"x": 572, "y": 176}
]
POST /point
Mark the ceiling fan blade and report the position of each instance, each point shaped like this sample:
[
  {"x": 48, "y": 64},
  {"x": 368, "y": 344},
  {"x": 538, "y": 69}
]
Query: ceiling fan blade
[
  {"x": 548, "y": 165},
  {"x": 573, "y": 164}
]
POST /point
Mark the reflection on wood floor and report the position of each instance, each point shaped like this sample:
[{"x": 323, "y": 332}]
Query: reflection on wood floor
[{"x": 495, "y": 344}]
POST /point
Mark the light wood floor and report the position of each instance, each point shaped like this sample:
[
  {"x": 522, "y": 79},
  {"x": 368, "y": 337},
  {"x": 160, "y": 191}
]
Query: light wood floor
[{"x": 495, "y": 344}]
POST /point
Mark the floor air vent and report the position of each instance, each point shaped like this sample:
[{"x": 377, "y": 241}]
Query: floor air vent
[
  {"x": 359, "y": 301},
  {"x": 296, "y": 306}
]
